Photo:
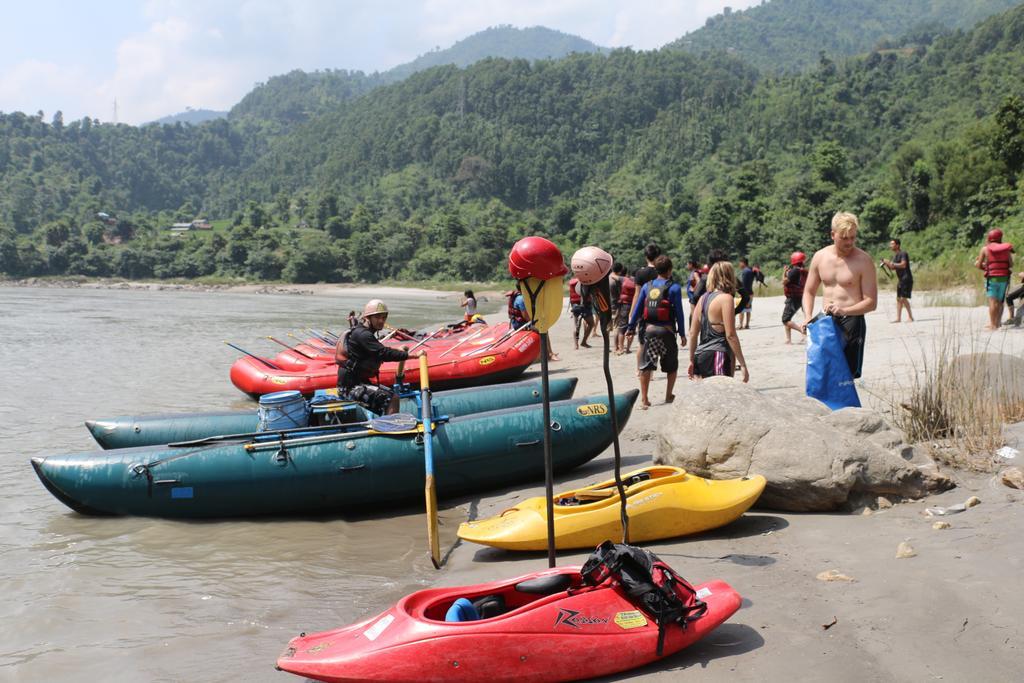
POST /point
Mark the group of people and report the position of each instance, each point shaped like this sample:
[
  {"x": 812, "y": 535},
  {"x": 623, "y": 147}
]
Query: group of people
[{"x": 649, "y": 307}]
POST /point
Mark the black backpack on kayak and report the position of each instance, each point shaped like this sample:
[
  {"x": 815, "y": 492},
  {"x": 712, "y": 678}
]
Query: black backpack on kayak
[{"x": 648, "y": 582}]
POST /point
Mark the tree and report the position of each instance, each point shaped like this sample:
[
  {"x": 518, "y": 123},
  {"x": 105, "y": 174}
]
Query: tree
[{"x": 1008, "y": 140}]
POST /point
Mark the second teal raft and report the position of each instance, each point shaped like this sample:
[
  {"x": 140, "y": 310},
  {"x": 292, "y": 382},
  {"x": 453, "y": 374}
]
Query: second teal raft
[
  {"x": 128, "y": 431},
  {"x": 302, "y": 474}
]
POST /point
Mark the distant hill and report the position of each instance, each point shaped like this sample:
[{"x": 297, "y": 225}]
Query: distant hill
[
  {"x": 297, "y": 96},
  {"x": 506, "y": 42},
  {"x": 192, "y": 116},
  {"x": 789, "y": 35}
]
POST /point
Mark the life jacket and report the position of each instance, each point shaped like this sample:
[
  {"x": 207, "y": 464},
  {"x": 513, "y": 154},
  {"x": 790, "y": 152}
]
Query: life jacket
[
  {"x": 574, "y": 297},
  {"x": 657, "y": 307},
  {"x": 649, "y": 583},
  {"x": 796, "y": 290},
  {"x": 998, "y": 262},
  {"x": 515, "y": 314},
  {"x": 628, "y": 290}
]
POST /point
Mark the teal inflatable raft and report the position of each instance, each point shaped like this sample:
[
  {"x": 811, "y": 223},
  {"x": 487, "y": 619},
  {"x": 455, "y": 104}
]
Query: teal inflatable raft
[
  {"x": 128, "y": 431},
  {"x": 317, "y": 472}
]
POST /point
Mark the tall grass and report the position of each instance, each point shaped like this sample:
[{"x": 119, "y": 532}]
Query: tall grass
[{"x": 957, "y": 401}]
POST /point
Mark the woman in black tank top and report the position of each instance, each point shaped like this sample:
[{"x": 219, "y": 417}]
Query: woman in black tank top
[{"x": 714, "y": 344}]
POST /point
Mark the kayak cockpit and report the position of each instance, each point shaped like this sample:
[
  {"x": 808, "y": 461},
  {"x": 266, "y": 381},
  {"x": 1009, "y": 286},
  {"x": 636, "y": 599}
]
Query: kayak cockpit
[{"x": 495, "y": 600}]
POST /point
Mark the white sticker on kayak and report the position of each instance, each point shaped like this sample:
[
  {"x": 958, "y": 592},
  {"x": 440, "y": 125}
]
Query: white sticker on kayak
[
  {"x": 703, "y": 593},
  {"x": 378, "y": 628}
]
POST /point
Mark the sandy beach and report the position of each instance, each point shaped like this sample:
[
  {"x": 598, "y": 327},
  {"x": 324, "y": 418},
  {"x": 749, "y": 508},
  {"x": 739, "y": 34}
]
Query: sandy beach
[{"x": 950, "y": 613}]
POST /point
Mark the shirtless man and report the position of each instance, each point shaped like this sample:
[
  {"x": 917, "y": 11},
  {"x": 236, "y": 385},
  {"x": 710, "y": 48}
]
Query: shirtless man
[{"x": 851, "y": 287}]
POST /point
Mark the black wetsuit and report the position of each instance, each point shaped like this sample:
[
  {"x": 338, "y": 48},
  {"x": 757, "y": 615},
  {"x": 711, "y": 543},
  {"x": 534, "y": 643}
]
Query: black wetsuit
[
  {"x": 904, "y": 278},
  {"x": 365, "y": 356}
]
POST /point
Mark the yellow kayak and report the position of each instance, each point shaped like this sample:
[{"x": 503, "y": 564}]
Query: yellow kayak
[{"x": 662, "y": 502}]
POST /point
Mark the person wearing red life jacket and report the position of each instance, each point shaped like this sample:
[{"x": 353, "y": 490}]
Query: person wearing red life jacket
[
  {"x": 794, "y": 277},
  {"x": 996, "y": 259},
  {"x": 627, "y": 291}
]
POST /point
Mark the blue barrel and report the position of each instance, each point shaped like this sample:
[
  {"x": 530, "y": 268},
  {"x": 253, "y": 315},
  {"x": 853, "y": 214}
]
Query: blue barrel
[{"x": 283, "y": 410}]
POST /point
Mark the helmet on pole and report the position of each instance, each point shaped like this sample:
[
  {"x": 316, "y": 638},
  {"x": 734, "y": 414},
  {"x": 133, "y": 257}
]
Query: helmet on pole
[
  {"x": 591, "y": 264},
  {"x": 536, "y": 257}
]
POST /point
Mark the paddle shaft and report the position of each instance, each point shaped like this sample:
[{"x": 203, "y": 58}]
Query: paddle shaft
[
  {"x": 291, "y": 348},
  {"x": 458, "y": 344},
  {"x": 253, "y": 355},
  {"x": 549, "y": 474},
  {"x": 623, "y": 515},
  {"x": 430, "y": 486},
  {"x": 426, "y": 339}
]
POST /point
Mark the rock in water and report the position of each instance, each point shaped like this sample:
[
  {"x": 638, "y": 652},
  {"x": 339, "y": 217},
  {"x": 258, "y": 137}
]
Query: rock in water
[{"x": 813, "y": 459}]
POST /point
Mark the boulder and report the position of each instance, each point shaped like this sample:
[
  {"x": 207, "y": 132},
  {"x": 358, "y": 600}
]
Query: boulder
[{"x": 813, "y": 459}]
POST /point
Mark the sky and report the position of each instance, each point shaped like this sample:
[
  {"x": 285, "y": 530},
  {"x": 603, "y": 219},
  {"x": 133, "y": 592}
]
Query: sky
[{"x": 161, "y": 57}]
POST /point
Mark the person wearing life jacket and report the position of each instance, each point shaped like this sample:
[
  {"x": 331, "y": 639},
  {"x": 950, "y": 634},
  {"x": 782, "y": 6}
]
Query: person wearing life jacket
[
  {"x": 692, "y": 281},
  {"x": 714, "y": 256},
  {"x": 627, "y": 291},
  {"x": 516, "y": 308},
  {"x": 614, "y": 290},
  {"x": 359, "y": 355},
  {"x": 582, "y": 307},
  {"x": 642, "y": 276},
  {"x": 794, "y": 277},
  {"x": 662, "y": 309},
  {"x": 996, "y": 259}
]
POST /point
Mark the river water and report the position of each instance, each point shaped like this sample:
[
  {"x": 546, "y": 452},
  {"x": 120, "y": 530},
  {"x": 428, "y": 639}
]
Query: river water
[{"x": 133, "y": 599}]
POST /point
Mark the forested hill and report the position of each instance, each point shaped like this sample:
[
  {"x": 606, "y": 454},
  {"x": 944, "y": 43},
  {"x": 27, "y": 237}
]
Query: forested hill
[
  {"x": 781, "y": 36},
  {"x": 191, "y": 116},
  {"x": 504, "y": 42},
  {"x": 298, "y": 96},
  {"x": 436, "y": 176}
]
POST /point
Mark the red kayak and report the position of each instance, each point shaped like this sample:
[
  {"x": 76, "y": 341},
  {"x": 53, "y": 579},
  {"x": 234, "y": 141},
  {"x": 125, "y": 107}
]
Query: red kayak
[
  {"x": 553, "y": 625},
  {"x": 491, "y": 357}
]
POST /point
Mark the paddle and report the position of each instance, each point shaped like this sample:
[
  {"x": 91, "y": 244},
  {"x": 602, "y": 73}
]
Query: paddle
[
  {"x": 388, "y": 424},
  {"x": 458, "y": 344},
  {"x": 290, "y": 348},
  {"x": 428, "y": 338},
  {"x": 430, "y": 487},
  {"x": 602, "y": 297},
  {"x": 253, "y": 355},
  {"x": 524, "y": 328}
]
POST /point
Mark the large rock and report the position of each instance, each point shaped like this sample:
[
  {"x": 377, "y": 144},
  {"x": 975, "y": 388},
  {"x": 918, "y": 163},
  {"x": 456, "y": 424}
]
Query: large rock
[{"x": 813, "y": 459}]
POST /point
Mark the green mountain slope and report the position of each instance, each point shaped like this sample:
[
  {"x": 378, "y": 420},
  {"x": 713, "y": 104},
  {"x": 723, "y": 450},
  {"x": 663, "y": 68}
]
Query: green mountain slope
[
  {"x": 299, "y": 96},
  {"x": 788, "y": 35}
]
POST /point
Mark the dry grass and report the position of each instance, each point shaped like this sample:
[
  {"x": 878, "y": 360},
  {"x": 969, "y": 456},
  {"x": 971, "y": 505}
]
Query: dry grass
[{"x": 958, "y": 401}]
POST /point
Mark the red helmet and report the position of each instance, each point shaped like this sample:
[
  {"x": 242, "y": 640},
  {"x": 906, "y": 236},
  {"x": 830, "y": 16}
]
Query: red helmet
[
  {"x": 797, "y": 257},
  {"x": 995, "y": 235},
  {"x": 590, "y": 264},
  {"x": 536, "y": 257}
]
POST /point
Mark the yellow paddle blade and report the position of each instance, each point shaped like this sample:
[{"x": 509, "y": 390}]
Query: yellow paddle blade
[
  {"x": 548, "y": 302},
  {"x": 430, "y": 493}
]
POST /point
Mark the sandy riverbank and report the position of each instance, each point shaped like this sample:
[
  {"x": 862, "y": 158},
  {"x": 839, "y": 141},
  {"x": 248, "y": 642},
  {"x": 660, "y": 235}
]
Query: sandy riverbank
[{"x": 950, "y": 613}]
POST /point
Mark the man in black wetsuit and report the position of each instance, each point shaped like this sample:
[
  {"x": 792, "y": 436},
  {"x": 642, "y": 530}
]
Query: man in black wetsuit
[
  {"x": 904, "y": 279},
  {"x": 359, "y": 355}
]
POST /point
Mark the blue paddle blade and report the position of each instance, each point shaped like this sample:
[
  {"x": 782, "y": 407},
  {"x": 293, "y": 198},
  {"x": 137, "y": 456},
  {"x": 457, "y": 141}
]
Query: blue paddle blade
[{"x": 399, "y": 422}]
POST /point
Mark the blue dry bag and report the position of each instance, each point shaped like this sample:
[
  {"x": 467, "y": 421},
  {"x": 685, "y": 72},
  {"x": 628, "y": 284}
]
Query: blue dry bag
[{"x": 828, "y": 375}]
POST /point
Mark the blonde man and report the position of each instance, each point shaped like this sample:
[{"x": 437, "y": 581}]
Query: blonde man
[{"x": 850, "y": 284}]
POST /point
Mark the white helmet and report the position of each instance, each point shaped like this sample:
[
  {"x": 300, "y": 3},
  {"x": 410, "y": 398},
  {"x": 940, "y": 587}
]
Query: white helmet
[
  {"x": 590, "y": 264},
  {"x": 374, "y": 307}
]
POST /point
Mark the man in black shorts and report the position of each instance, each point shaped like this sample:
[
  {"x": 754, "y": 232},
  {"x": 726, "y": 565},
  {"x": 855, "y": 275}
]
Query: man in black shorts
[
  {"x": 793, "y": 280},
  {"x": 661, "y": 307},
  {"x": 904, "y": 279},
  {"x": 642, "y": 276}
]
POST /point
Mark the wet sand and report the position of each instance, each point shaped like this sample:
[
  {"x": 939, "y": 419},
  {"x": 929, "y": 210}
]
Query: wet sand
[{"x": 950, "y": 613}]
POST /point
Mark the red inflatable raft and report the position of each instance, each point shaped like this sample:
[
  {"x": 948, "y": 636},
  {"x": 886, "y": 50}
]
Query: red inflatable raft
[
  {"x": 548, "y": 626},
  {"x": 495, "y": 355}
]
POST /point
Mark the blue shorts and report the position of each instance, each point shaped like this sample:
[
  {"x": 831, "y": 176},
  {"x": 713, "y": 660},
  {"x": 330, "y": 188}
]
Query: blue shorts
[{"x": 995, "y": 287}]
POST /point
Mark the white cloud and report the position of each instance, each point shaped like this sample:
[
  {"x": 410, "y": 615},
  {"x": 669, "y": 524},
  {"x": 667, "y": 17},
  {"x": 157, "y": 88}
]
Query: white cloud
[{"x": 33, "y": 85}]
